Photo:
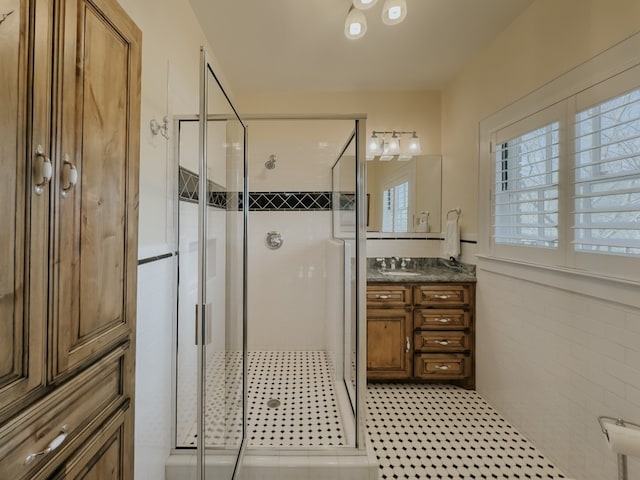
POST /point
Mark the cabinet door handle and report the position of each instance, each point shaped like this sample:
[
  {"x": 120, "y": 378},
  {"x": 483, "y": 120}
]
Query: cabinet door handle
[
  {"x": 383, "y": 297},
  {"x": 442, "y": 297},
  {"x": 55, "y": 443},
  {"x": 442, "y": 367},
  {"x": 44, "y": 169},
  {"x": 407, "y": 345},
  {"x": 71, "y": 177},
  {"x": 442, "y": 342},
  {"x": 444, "y": 320}
]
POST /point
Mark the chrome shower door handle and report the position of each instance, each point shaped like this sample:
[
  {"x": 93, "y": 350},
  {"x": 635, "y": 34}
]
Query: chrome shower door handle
[{"x": 274, "y": 240}]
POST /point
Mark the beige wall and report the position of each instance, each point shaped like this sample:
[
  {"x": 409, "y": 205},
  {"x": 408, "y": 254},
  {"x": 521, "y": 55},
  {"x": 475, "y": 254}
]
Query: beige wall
[{"x": 548, "y": 39}]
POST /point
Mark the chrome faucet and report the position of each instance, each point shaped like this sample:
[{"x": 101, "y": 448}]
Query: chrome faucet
[
  {"x": 383, "y": 265},
  {"x": 394, "y": 260}
]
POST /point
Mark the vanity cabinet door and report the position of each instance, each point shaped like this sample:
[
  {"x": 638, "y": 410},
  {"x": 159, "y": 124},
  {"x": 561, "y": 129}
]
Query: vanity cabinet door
[
  {"x": 25, "y": 152},
  {"x": 389, "y": 336},
  {"x": 96, "y": 199}
]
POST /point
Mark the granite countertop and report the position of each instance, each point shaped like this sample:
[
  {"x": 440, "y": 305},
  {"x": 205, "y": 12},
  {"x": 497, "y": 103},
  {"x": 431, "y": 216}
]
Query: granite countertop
[{"x": 420, "y": 270}]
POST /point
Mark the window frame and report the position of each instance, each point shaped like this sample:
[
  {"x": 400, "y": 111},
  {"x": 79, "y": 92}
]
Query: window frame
[{"x": 599, "y": 79}]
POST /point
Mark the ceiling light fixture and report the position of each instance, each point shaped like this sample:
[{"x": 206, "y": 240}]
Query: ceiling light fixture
[
  {"x": 386, "y": 150},
  {"x": 355, "y": 25},
  {"x": 394, "y": 11},
  {"x": 364, "y": 4}
]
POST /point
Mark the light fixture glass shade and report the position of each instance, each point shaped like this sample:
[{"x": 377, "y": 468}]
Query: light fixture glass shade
[
  {"x": 364, "y": 4},
  {"x": 394, "y": 145},
  {"x": 355, "y": 25},
  {"x": 394, "y": 11},
  {"x": 413, "y": 145},
  {"x": 374, "y": 146}
]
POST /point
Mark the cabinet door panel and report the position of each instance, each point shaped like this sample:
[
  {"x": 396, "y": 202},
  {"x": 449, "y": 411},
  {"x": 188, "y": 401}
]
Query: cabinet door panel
[
  {"x": 98, "y": 217},
  {"x": 24, "y": 125},
  {"x": 389, "y": 336}
]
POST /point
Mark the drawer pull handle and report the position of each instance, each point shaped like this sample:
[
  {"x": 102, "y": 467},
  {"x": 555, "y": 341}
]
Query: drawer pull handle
[
  {"x": 442, "y": 367},
  {"x": 444, "y": 320},
  {"x": 442, "y": 297},
  {"x": 407, "y": 345},
  {"x": 55, "y": 443},
  {"x": 383, "y": 297},
  {"x": 442, "y": 342}
]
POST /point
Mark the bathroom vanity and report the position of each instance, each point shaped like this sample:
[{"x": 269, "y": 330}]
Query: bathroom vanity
[{"x": 420, "y": 321}]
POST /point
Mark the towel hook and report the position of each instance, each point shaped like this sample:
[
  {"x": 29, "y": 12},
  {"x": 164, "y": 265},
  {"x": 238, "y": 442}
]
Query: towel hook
[{"x": 457, "y": 211}]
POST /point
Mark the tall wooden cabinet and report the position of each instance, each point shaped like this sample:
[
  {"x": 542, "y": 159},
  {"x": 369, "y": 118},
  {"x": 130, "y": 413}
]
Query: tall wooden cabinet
[{"x": 69, "y": 148}]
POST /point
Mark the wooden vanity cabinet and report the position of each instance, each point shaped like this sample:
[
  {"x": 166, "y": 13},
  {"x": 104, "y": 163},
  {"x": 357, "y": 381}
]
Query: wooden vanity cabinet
[
  {"x": 439, "y": 340},
  {"x": 69, "y": 145}
]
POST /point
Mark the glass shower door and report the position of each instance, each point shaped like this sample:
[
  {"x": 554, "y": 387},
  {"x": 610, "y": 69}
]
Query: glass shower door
[{"x": 220, "y": 331}]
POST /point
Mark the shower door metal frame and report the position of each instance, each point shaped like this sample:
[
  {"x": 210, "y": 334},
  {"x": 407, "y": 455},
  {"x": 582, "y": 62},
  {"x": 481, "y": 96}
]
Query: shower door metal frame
[
  {"x": 201, "y": 308},
  {"x": 359, "y": 120}
]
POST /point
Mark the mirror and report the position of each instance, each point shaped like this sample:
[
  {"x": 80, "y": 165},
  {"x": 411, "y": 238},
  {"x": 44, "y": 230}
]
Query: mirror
[{"x": 404, "y": 197}]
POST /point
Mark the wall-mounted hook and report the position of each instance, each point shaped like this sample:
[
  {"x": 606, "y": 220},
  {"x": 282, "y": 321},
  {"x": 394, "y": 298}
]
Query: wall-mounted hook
[{"x": 157, "y": 128}]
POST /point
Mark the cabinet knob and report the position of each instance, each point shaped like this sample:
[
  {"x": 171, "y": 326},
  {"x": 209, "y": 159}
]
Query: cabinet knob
[{"x": 55, "y": 443}]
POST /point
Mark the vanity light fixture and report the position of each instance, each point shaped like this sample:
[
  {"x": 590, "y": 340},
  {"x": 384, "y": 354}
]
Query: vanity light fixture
[
  {"x": 388, "y": 149},
  {"x": 355, "y": 25}
]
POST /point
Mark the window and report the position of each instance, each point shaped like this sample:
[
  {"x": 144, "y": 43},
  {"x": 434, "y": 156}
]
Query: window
[
  {"x": 395, "y": 208},
  {"x": 607, "y": 177},
  {"x": 560, "y": 172},
  {"x": 526, "y": 189}
]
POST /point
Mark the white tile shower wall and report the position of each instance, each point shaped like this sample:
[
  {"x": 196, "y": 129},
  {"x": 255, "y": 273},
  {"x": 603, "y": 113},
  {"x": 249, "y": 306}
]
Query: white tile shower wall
[
  {"x": 552, "y": 361},
  {"x": 286, "y": 287},
  {"x": 156, "y": 312},
  {"x": 334, "y": 298}
]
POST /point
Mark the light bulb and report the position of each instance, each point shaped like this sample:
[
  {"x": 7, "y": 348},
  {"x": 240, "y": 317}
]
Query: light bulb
[
  {"x": 413, "y": 146},
  {"x": 364, "y": 4},
  {"x": 394, "y": 145},
  {"x": 373, "y": 146},
  {"x": 355, "y": 25},
  {"x": 394, "y": 11}
]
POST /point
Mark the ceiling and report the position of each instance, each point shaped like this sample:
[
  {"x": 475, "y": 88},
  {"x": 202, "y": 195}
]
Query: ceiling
[{"x": 299, "y": 45}]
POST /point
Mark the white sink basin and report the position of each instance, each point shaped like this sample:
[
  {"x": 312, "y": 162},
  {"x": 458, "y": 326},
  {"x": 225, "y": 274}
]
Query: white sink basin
[{"x": 399, "y": 273}]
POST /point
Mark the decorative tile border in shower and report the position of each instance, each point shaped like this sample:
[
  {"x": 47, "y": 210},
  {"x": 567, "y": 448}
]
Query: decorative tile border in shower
[
  {"x": 289, "y": 201},
  {"x": 261, "y": 201}
]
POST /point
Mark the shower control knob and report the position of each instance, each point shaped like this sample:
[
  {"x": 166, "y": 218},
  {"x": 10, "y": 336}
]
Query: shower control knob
[{"x": 274, "y": 240}]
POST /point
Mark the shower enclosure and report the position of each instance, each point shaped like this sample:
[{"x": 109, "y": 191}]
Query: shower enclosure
[{"x": 268, "y": 344}]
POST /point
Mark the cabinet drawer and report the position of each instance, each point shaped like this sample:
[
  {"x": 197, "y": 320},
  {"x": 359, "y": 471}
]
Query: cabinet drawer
[
  {"x": 432, "y": 341},
  {"x": 442, "y": 295},
  {"x": 388, "y": 295},
  {"x": 432, "y": 319},
  {"x": 445, "y": 367},
  {"x": 75, "y": 408}
]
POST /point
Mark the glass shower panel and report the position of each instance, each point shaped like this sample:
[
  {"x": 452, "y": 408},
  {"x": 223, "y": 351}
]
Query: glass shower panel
[
  {"x": 345, "y": 230},
  {"x": 221, "y": 262}
]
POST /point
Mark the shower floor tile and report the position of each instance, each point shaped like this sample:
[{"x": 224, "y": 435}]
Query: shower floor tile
[
  {"x": 445, "y": 432},
  {"x": 299, "y": 382}
]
